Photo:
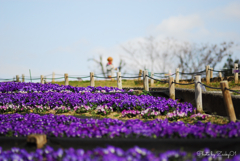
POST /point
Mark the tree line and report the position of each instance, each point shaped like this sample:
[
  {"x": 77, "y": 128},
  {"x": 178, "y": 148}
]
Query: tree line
[{"x": 159, "y": 55}]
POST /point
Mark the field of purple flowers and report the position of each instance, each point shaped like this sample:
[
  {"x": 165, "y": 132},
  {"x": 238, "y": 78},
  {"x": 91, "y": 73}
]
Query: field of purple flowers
[
  {"x": 40, "y": 98},
  {"x": 70, "y": 126},
  {"x": 22, "y": 106},
  {"x": 109, "y": 153}
]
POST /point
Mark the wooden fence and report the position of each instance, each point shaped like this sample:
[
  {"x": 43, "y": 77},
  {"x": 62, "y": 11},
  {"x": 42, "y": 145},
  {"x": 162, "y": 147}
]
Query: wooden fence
[{"x": 197, "y": 81}]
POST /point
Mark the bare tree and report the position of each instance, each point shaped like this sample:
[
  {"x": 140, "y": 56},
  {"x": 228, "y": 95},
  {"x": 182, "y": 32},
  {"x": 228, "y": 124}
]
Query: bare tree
[
  {"x": 158, "y": 55},
  {"x": 193, "y": 58},
  {"x": 149, "y": 53},
  {"x": 99, "y": 63}
]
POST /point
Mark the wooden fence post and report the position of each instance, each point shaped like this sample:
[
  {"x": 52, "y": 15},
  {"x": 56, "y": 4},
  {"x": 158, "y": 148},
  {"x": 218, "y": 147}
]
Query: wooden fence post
[
  {"x": 169, "y": 72},
  {"x": 53, "y": 77},
  {"x": 140, "y": 74},
  {"x": 207, "y": 74},
  {"x": 211, "y": 73},
  {"x": 145, "y": 80},
  {"x": 41, "y": 79},
  {"x": 198, "y": 94},
  {"x": 177, "y": 76},
  {"x": 17, "y": 78},
  {"x": 119, "y": 80},
  {"x": 171, "y": 88},
  {"x": 23, "y": 78},
  {"x": 236, "y": 74},
  {"x": 92, "y": 83},
  {"x": 152, "y": 80},
  {"x": 66, "y": 79},
  {"x": 220, "y": 76},
  {"x": 228, "y": 101}
]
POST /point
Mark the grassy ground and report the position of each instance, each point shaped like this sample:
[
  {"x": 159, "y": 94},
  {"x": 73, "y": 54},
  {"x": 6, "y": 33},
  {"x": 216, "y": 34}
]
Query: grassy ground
[
  {"x": 115, "y": 115},
  {"x": 136, "y": 83}
]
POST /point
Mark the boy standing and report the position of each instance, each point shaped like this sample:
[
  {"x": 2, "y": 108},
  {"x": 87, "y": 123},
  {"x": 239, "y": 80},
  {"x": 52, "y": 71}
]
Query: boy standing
[{"x": 110, "y": 68}]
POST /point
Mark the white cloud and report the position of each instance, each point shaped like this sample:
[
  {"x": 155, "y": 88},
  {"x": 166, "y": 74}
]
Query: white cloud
[
  {"x": 233, "y": 10},
  {"x": 182, "y": 27},
  {"x": 180, "y": 23},
  {"x": 229, "y": 12}
]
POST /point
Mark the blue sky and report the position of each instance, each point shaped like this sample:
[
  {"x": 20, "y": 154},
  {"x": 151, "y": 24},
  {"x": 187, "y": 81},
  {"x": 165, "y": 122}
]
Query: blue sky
[{"x": 60, "y": 36}]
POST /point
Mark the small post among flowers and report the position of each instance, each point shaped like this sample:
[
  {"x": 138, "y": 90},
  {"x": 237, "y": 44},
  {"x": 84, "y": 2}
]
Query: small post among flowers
[
  {"x": 198, "y": 94},
  {"x": 23, "y": 78},
  {"x": 145, "y": 80},
  {"x": 119, "y": 80},
  {"x": 228, "y": 101},
  {"x": 41, "y": 79},
  {"x": 171, "y": 88},
  {"x": 220, "y": 76},
  {"x": 207, "y": 74},
  {"x": 66, "y": 79},
  {"x": 17, "y": 78},
  {"x": 236, "y": 73},
  {"x": 92, "y": 84},
  {"x": 39, "y": 139},
  {"x": 177, "y": 75}
]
